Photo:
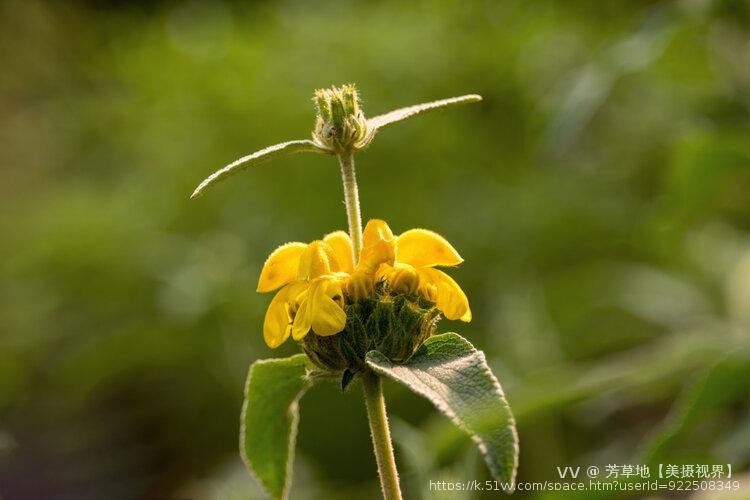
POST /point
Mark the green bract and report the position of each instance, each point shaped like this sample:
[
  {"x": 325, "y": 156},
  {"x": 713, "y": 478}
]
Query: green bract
[{"x": 395, "y": 325}]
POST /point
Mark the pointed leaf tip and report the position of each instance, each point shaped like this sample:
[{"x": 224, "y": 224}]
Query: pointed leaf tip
[
  {"x": 262, "y": 156},
  {"x": 449, "y": 372}
]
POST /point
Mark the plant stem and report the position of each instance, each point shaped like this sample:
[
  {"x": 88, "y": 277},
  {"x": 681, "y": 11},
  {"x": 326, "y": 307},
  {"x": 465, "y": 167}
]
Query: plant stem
[
  {"x": 351, "y": 198},
  {"x": 373, "y": 386},
  {"x": 381, "y": 435}
]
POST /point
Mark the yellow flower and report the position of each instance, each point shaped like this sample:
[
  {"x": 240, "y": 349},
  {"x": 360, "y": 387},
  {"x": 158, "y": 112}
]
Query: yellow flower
[
  {"x": 418, "y": 252},
  {"x": 313, "y": 279},
  {"x": 319, "y": 279}
]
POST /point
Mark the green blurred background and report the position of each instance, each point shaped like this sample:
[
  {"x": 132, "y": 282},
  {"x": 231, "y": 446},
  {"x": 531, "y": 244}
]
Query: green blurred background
[{"x": 599, "y": 195}]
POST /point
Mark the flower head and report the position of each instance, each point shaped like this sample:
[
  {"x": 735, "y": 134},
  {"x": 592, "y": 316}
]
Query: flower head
[
  {"x": 313, "y": 279},
  {"x": 319, "y": 281}
]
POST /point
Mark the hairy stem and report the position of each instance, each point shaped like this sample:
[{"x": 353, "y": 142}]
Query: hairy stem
[
  {"x": 351, "y": 198},
  {"x": 381, "y": 435},
  {"x": 373, "y": 386}
]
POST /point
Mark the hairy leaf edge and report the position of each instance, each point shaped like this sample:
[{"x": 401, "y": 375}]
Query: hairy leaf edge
[
  {"x": 294, "y": 409},
  {"x": 449, "y": 413},
  {"x": 258, "y": 157}
]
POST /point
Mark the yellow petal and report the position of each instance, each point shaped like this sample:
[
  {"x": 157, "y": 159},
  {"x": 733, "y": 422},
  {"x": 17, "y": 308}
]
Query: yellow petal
[
  {"x": 383, "y": 252},
  {"x": 278, "y": 321},
  {"x": 423, "y": 248},
  {"x": 302, "y": 319},
  {"x": 378, "y": 246},
  {"x": 328, "y": 318},
  {"x": 317, "y": 260},
  {"x": 320, "y": 310},
  {"x": 376, "y": 230},
  {"x": 280, "y": 267},
  {"x": 438, "y": 286},
  {"x": 342, "y": 247}
]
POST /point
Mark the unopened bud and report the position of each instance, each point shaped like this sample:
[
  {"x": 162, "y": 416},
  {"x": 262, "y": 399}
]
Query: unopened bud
[
  {"x": 403, "y": 279},
  {"x": 340, "y": 124},
  {"x": 361, "y": 285}
]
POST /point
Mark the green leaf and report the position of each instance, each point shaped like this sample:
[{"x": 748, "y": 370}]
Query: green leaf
[
  {"x": 268, "y": 425},
  {"x": 455, "y": 377},
  {"x": 262, "y": 156},
  {"x": 397, "y": 115}
]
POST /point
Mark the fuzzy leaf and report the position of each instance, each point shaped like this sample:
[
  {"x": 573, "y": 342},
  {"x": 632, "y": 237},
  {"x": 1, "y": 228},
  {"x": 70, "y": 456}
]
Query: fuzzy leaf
[
  {"x": 268, "y": 425},
  {"x": 262, "y": 156},
  {"x": 455, "y": 377},
  {"x": 397, "y": 115}
]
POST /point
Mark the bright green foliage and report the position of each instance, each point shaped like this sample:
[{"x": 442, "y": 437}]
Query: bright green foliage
[
  {"x": 268, "y": 426},
  {"x": 455, "y": 377}
]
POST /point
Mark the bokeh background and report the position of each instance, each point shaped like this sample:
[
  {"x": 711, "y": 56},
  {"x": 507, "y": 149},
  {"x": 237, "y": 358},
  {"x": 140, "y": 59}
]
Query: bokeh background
[{"x": 600, "y": 195}]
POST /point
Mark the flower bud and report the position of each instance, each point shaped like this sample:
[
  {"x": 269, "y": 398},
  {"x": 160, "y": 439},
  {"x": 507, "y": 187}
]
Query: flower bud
[
  {"x": 340, "y": 124},
  {"x": 361, "y": 285},
  {"x": 403, "y": 279}
]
